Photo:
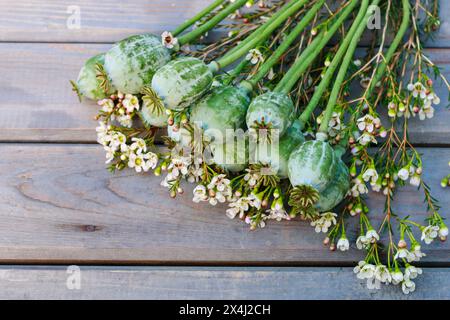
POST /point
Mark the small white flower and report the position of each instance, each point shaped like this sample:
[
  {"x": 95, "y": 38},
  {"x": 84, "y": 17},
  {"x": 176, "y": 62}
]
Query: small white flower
[
  {"x": 418, "y": 89},
  {"x": 168, "y": 40},
  {"x": 107, "y": 105},
  {"x": 125, "y": 120},
  {"x": 372, "y": 236},
  {"x": 403, "y": 253},
  {"x": 255, "y": 201},
  {"x": 254, "y": 56},
  {"x": 200, "y": 194},
  {"x": 370, "y": 174},
  {"x": 382, "y": 274},
  {"x": 138, "y": 145},
  {"x": 368, "y": 123},
  {"x": 367, "y": 271},
  {"x": 367, "y": 138},
  {"x": 415, "y": 180},
  {"x": 412, "y": 272},
  {"x": 137, "y": 162},
  {"x": 343, "y": 244},
  {"x": 179, "y": 166},
  {"x": 397, "y": 277},
  {"x": 325, "y": 221},
  {"x": 429, "y": 233},
  {"x": 277, "y": 211},
  {"x": 403, "y": 173},
  {"x": 118, "y": 140},
  {"x": 408, "y": 286},
  {"x": 443, "y": 231},
  {"x": 359, "y": 187},
  {"x": 220, "y": 183},
  {"x": 131, "y": 103},
  {"x": 416, "y": 252},
  {"x": 151, "y": 161},
  {"x": 426, "y": 112},
  {"x": 362, "y": 242},
  {"x": 251, "y": 177},
  {"x": 240, "y": 206}
]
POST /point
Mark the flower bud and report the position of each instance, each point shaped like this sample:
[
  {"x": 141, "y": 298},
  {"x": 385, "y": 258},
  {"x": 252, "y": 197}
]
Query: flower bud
[
  {"x": 326, "y": 241},
  {"x": 180, "y": 190},
  {"x": 173, "y": 194},
  {"x": 444, "y": 182},
  {"x": 402, "y": 244},
  {"x": 332, "y": 247}
]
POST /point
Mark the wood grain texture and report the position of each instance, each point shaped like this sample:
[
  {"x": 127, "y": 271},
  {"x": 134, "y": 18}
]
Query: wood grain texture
[
  {"x": 189, "y": 283},
  {"x": 38, "y": 104},
  {"x": 59, "y": 205},
  {"x": 109, "y": 21}
]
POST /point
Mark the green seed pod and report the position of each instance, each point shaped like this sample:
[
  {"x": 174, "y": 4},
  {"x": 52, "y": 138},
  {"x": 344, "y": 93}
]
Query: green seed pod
[
  {"x": 271, "y": 110},
  {"x": 288, "y": 142},
  {"x": 88, "y": 84},
  {"x": 231, "y": 156},
  {"x": 132, "y": 62},
  {"x": 221, "y": 110},
  {"x": 336, "y": 190},
  {"x": 313, "y": 164},
  {"x": 151, "y": 117},
  {"x": 181, "y": 82}
]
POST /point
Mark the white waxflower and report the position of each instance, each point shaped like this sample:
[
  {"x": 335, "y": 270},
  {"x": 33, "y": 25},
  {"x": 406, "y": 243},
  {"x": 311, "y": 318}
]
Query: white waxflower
[
  {"x": 195, "y": 173},
  {"x": 221, "y": 183},
  {"x": 371, "y": 175},
  {"x": 397, "y": 277},
  {"x": 426, "y": 112},
  {"x": 412, "y": 272},
  {"x": 433, "y": 97},
  {"x": 368, "y": 123},
  {"x": 418, "y": 89},
  {"x": 179, "y": 166},
  {"x": 251, "y": 177},
  {"x": 429, "y": 233},
  {"x": 403, "y": 253},
  {"x": 362, "y": 242},
  {"x": 254, "y": 56},
  {"x": 151, "y": 161},
  {"x": 335, "y": 125},
  {"x": 125, "y": 120},
  {"x": 103, "y": 133},
  {"x": 138, "y": 145},
  {"x": 415, "y": 180},
  {"x": 168, "y": 40},
  {"x": 408, "y": 286},
  {"x": 110, "y": 154},
  {"x": 372, "y": 236},
  {"x": 343, "y": 244},
  {"x": 118, "y": 140},
  {"x": 325, "y": 221},
  {"x": 443, "y": 231},
  {"x": 255, "y": 200},
  {"x": 130, "y": 103},
  {"x": 358, "y": 267},
  {"x": 382, "y": 274},
  {"x": 403, "y": 173},
  {"x": 367, "y": 271},
  {"x": 415, "y": 250},
  {"x": 277, "y": 211},
  {"x": 367, "y": 138},
  {"x": 137, "y": 162},
  {"x": 216, "y": 197},
  {"x": 200, "y": 194},
  {"x": 107, "y": 105},
  {"x": 240, "y": 206},
  {"x": 359, "y": 187}
]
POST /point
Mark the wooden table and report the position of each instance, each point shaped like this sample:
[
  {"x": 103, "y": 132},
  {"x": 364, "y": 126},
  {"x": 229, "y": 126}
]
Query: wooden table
[{"x": 59, "y": 207}]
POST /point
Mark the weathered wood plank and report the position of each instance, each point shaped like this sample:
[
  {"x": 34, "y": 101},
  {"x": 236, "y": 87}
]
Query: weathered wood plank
[
  {"x": 185, "y": 283},
  {"x": 38, "y": 104},
  {"x": 109, "y": 21},
  {"x": 59, "y": 205}
]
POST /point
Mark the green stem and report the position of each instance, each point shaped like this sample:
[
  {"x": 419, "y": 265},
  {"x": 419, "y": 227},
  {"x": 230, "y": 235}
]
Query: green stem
[
  {"x": 187, "y": 38},
  {"x": 261, "y": 28},
  {"x": 318, "y": 93},
  {"x": 197, "y": 17},
  {"x": 275, "y": 57},
  {"x": 312, "y": 51},
  {"x": 394, "y": 45},
  {"x": 233, "y": 74},
  {"x": 355, "y": 37},
  {"x": 244, "y": 48}
]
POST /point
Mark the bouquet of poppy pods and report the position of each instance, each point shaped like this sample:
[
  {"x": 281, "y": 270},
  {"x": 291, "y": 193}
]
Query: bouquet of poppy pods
[{"x": 265, "y": 118}]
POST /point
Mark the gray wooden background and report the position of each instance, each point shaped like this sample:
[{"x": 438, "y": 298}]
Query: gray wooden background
[{"x": 58, "y": 206}]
